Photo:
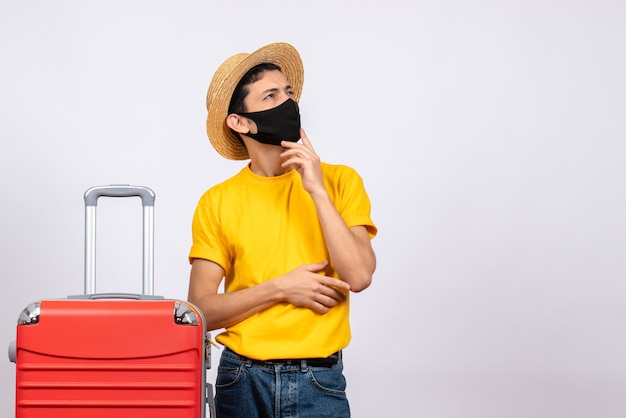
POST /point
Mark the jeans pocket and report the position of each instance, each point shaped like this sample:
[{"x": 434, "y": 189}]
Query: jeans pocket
[
  {"x": 228, "y": 372},
  {"x": 227, "y": 376},
  {"x": 328, "y": 379}
]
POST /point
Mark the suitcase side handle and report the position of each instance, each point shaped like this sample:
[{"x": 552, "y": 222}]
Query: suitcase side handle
[{"x": 119, "y": 190}]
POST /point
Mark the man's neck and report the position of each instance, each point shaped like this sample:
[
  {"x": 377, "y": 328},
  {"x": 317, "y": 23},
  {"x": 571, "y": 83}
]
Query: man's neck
[{"x": 265, "y": 159}]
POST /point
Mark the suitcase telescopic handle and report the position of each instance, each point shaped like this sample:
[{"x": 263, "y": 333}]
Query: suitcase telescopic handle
[{"x": 119, "y": 190}]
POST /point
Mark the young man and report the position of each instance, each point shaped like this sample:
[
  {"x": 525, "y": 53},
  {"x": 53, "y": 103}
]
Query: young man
[{"x": 290, "y": 235}]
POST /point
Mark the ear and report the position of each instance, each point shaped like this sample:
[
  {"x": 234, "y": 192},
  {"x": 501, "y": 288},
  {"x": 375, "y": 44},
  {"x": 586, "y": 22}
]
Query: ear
[{"x": 237, "y": 123}]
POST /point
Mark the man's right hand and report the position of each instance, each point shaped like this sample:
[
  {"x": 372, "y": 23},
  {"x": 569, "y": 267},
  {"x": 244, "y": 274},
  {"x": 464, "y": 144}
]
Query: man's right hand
[{"x": 306, "y": 287}]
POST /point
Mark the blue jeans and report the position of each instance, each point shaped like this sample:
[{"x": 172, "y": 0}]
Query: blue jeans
[{"x": 246, "y": 389}]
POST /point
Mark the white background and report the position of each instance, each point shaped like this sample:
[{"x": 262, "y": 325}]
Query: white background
[{"x": 490, "y": 136}]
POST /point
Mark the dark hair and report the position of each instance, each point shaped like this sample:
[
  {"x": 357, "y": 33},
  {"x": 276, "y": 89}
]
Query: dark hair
[{"x": 241, "y": 91}]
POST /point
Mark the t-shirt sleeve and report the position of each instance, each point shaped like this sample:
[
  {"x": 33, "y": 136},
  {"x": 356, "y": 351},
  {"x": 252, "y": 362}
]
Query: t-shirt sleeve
[
  {"x": 353, "y": 202},
  {"x": 208, "y": 242}
]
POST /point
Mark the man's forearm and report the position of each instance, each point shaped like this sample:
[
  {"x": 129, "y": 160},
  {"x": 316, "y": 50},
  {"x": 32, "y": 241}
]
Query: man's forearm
[{"x": 350, "y": 250}]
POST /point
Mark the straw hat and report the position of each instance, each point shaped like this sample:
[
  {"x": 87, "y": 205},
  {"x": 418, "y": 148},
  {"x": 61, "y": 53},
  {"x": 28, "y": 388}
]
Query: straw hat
[{"x": 226, "y": 79}]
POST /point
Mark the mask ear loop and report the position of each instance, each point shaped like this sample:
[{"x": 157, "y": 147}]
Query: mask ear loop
[
  {"x": 236, "y": 123},
  {"x": 276, "y": 124}
]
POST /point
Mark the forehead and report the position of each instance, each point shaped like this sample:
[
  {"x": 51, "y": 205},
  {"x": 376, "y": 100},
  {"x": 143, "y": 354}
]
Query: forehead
[{"x": 269, "y": 79}]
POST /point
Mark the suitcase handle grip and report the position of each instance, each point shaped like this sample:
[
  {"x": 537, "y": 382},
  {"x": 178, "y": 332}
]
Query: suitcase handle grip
[
  {"x": 119, "y": 190},
  {"x": 133, "y": 296}
]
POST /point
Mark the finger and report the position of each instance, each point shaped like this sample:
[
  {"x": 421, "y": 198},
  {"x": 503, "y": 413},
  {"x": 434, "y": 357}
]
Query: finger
[
  {"x": 294, "y": 147},
  {"x": 303, "y": 136},
  {"x": 330, "y": 301},
  {"x": 332, "y": 282},
  {"x": 289, "y": 144},
  {"x": 293, "y": 153},
  {"x": 316, "y": 267},
  {"x": 305, "y": 139},
  {"x": 332, "y": 296},
  {"x": 320, "y": 308}
]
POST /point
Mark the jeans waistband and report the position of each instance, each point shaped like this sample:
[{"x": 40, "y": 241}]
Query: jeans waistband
[{"x": 312, "y": 362}]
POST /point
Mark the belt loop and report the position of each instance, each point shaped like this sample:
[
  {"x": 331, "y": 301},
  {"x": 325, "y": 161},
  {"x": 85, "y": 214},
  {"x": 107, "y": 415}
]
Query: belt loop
[
  {"x": 247, "y": 363},
  {"x": 303, "y": 366}
]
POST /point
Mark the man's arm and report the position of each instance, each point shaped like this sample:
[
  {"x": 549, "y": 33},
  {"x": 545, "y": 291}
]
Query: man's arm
[
  {"x": 222, "y": 310},
  {"x": 303, "y": 286},
  {"x": 350, "y": 248}
]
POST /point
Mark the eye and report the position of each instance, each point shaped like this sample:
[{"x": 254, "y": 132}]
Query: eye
[{"x": 269, "y": 96}]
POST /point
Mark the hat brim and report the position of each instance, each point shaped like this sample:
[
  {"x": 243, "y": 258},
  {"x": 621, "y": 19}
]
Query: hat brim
[{"x": 223, "y": 84}]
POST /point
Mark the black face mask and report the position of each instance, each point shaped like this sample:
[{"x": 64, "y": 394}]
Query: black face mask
[{"x": 276, "y": 124}]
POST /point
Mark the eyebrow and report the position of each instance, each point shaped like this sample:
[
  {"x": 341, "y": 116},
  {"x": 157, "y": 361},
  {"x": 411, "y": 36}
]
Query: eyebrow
[{"x": 275, "y": 89}]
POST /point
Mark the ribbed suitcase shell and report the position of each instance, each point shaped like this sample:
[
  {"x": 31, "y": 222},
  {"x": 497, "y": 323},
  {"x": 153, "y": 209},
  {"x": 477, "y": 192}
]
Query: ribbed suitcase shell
[{"x": 109, "y": 358}]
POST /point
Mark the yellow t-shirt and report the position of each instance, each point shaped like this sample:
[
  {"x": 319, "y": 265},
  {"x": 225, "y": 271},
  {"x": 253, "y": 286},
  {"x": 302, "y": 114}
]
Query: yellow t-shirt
[{"x": 258, "y": 228}]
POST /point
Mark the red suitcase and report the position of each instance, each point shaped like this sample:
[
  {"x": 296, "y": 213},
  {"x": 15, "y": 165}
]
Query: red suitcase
[{"x": 112, "y": 355}]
